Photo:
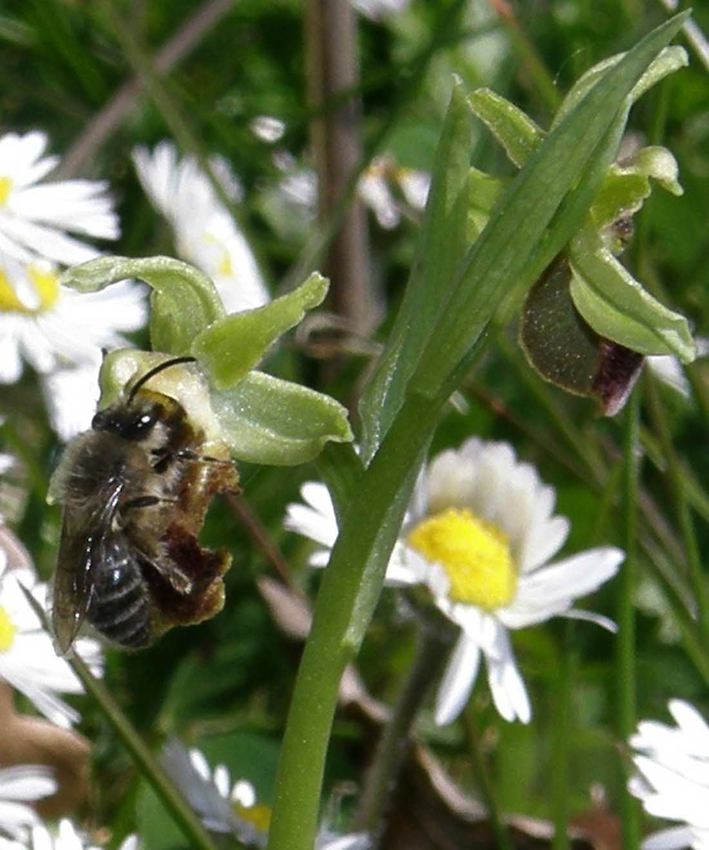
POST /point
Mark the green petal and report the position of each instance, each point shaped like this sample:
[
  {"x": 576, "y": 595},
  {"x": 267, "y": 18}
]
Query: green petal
[
  {"x": 233, "y": 345},
  {"x": 266, "y": 420},
  {"x": 626, "y": 187},
  {"x": 184, "y": 300},
  {"x": 616, "y": 306},
  {"x": 512, "y": 128}
]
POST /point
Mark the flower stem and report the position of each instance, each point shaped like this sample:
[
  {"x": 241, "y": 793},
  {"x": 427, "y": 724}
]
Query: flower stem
[
  {"x": 625, "y": 646},
  {"x": 482, "y": 774},
  {"x": 181, "y": 812},
  {"x": 359, "y": 556},
  {"x": 432, "y": 648}
]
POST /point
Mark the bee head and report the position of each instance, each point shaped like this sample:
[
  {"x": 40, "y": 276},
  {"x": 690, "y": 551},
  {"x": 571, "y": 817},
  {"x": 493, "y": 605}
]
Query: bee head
[
  {"x": 136, "y": 417},
  {"x": 131, "y": 423}
]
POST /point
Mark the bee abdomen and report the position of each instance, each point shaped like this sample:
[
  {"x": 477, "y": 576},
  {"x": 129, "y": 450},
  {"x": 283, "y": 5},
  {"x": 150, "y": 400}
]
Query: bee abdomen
[{"x": 120, "y": 608}]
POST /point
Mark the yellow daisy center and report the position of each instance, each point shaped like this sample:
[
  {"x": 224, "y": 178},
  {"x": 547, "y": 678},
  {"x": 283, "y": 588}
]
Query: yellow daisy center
[
  {"x": 5, "y": 189},
  {"x": 474, "y": 553},
  {"x": 7, "y": 630},
  {"x": 258, "y": 815},
  {"x": 45, "y": 283}
]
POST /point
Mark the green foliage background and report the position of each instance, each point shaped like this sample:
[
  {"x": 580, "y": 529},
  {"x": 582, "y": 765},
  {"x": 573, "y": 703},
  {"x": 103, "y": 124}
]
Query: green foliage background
[{"x": 224, "y": 686}]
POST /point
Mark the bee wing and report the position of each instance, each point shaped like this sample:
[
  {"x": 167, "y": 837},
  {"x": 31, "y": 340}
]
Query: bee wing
[{"x": 80, "y": 552}]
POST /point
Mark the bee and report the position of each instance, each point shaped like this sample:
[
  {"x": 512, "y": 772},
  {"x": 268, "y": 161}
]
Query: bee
[{"x": 134, "y": 491}]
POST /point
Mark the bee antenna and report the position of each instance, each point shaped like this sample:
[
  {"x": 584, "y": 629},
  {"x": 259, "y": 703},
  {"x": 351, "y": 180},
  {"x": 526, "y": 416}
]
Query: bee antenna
[{"x": 154, "y": 371}]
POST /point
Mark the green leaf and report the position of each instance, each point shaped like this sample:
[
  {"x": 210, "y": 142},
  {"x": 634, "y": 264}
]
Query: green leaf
[
  {"x": 616, "y": 306},
  {"x": 485, "y": 191},
  {"x": 669, "y": 60},
  {"x": 184, "y": 301},
  {"x": 233, "y": 345},
  {"x": 512, "y": 128},
  {"x": 267, "y": 420},
  {"x": 442, "y": 246}
]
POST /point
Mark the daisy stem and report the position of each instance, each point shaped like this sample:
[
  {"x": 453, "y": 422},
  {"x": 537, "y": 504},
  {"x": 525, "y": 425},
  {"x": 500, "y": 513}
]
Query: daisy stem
[
  {"x": 433, "y": 642},
  {"x": 625, "y": 645},
  {"x": 149, "y": 766},
  {"x": 561, "y": 739},
  {"x": 700, "y": 584},
  {"x": 482, "y": 774}
]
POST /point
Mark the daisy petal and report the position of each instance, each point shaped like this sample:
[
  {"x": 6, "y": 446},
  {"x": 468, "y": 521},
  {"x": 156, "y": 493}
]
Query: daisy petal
[{"x": 458, "y": 680}]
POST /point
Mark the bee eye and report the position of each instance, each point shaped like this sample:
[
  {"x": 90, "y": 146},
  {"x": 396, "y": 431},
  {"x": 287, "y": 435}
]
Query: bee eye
[{"x": 139, "y": 425}]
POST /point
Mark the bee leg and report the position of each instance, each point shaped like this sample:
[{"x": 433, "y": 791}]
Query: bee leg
[
  {"x": 148, "y": 502},
  {"x": 184, "y": 454},
  {"x": 172, "y": 574}
]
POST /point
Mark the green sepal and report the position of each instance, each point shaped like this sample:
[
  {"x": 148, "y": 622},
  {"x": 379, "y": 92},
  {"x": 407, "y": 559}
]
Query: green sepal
[
  {"x": 616, "y": 306},
  {"x": 183, "y": 303},
  {"x": 267, "y": 420},
  {"x": 669, "y": 60},
  {"x": 233, "y": 345},
  {"x": 512, "y": 128}
]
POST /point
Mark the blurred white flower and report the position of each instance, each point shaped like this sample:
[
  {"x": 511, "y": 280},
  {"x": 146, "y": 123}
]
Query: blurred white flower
[
  {"x": 669, "y": 370},
  {"x": 673, "y": 777},
  {"x": 331, "y": 841},
  {"x": 28, "y": 661},
  {"x": 378, "y": 9},
  {"x": 204, "y": 230},
  {"x": 383, "y": 180},
  {"x": 385, "y": 187},
  {"x": 36, "y": 218},
  {"x": 267, "y": 128},
  {"x": 19, "y": 786},
  {"x": 60, "y": 333},
  {"x": 479, "y": 533},
  {"x": 66, "y": 837}
]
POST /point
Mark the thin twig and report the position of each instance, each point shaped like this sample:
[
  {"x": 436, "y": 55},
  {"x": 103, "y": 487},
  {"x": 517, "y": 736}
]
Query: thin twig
[
  {"x": 175, "y": 49},
  {"x": 332, "y": 67},
  {"x": 258, "y": 533}
]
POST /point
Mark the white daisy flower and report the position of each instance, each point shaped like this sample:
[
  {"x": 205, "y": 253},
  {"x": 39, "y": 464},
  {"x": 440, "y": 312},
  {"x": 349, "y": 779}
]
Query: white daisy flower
[
  {"x": 67, "y": 837},
  {"x": 480, "y": 533},
  {"x": 28, "y": 661},
  {"x": 36, "y": 218},
  {"x": 205, "y": 232},
  {"x": 221, "y": 805},
  {"x": 60, "y": 333},
  {"x": 19, "y": 786},
  {"x": 673, "y": 777},
  {"x": 234, "y": 808}
]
